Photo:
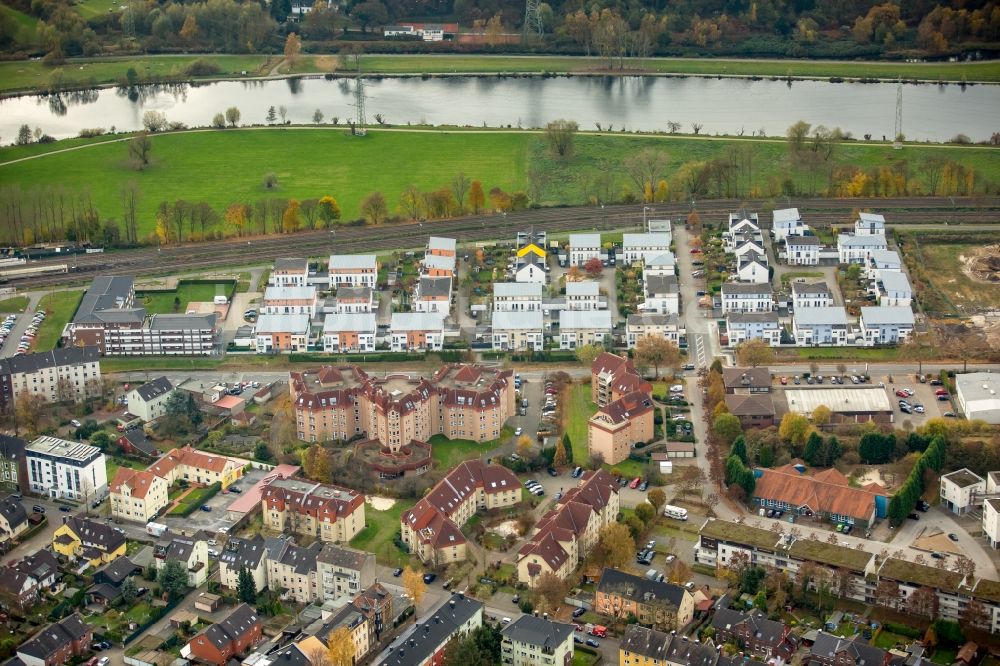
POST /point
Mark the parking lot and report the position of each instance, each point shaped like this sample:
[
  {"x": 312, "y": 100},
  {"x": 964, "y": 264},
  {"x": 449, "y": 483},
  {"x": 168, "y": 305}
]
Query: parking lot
[{"x": 215, "y": 519}]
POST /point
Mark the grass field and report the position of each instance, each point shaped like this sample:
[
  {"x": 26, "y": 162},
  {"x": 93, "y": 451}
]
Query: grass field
[
  {"x": 26, "y": 27},
  {"x": 32, "y": 74},
  {"x": 577, "y": 409},
  {"x": 15, "y": 304},
  {"x": 162, "y": 302},
  {"x": 951, "y": 290},
  {"x": 858, "y": 355},
  {"x": 380, "y": 527},
  {"x": 449, "y": 452},
  {"x": 198, "y": 166},
  {"x": 93, "y": 8},
  {"x": 59, "y": 307}
]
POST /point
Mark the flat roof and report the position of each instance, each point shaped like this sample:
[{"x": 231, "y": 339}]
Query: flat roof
[
  {"x": 821, "y": 316},
  {"x": 920, "y": 574},
  {"x": 347, "y": 261},
  {"x": 506, "y": 321},
  {"x": 841, "y": 399},
  {"x": 584, "y": 288},
  {"x": 786, "y": 215},
  {"x": 653, "y": 239},
  {"x": 416, "y": 321},
  {"x": 512, "y": 289},
  {"x": 349, "y": 321},
  {"x": 441, "y": 243},
  {"x": 724, "y": 530},
  {"x": 439, "y": 261},
  {"x": 882, "y": 315},
  {"x": 290, "y": 293},
  {"x": 964, "y": 478},
  {"x": 829, "y": 553},
  {"x": 894, "y": 281},
  {"x": 282, "y": 323},
  {"x": 585, "y": 319},
  {"x": 584, "y": 240}
]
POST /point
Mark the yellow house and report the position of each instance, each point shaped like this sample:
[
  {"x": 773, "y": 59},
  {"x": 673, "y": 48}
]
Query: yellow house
[
  {"x": 80, "y": 538},
  {"x": 197, "y": 467},
  {"x": 137, "y": 495}
]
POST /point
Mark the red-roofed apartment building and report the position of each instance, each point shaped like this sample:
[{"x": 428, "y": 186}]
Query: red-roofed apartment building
[
  {"x": 137, "y": 495},
  {"x": 565, "y": 535},
  {"x": 331, "y": 513},
  {"x": 458, "y": 401},
  {"x": 612, "y": 377},
  {"x": 227, "y": 639},
  {"x": 432, "y": 528},
  {"x": 826, "y": 494},
  {"x": 197, "y": 467},
  {"x": 613, "y": 430}
]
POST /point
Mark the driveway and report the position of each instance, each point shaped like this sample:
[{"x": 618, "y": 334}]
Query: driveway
[{"x": 702, "y": 343}]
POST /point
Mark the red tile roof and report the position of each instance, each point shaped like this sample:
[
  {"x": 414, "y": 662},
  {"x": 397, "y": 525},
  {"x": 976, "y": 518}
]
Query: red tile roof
[
  {"x": 138, "y": 481},
  {"x": 799, "y": 490},
  {"x": 628, "y": 407}
]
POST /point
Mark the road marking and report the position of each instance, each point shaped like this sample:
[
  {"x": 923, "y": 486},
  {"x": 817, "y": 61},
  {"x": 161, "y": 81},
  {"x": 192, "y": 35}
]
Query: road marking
[{"x": 699, "y": 343}]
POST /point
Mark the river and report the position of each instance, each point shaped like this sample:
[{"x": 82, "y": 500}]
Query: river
[{"x": 733, "y": 106}]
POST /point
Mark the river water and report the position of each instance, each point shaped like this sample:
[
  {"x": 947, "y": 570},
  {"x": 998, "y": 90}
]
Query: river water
[{"x": 931, "y": 112}]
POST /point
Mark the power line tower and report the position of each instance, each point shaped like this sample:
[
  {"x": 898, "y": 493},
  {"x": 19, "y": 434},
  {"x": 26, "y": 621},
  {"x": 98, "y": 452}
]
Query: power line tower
[
  {"x": 532, "y": 20},
  {"x": 128, "y": 23},
  {"x": 897, "y": 139},
  {"x": 359, "y": 103}
]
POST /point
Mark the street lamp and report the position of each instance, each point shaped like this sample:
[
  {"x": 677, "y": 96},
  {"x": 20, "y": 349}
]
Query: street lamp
[{"x": 644, "y": 210}]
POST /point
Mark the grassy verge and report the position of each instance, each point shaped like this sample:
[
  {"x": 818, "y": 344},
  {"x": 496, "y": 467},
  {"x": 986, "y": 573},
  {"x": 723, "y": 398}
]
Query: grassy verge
[
  {"x": 59, "y": 307},
  {"x": 16, "y": 304},
  {"x": 196, "y": 166},
  {"x": 31, "y": 75},
  {"x": 380, "y": 528},
  {"x": 577, "y": 409},
  {"x": 193, "y": 500},
  {"x": 167, "y": 302},
  {"x": 132, "y": 364},
  {"x": 848, "y": 355}
]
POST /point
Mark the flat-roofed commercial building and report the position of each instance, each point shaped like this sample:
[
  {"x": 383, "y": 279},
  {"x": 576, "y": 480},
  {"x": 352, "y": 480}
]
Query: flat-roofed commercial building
[
  {"x": 848, "y": 405},
  {"x": 979, "y": 396}
]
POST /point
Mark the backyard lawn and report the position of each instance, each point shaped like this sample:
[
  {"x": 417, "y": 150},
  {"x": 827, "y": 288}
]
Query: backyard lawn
[
  {"x": 578, "y": 408},
  {"x": 167, "y": 302},
  {"x": 15, "y": 304},
  {"x": 112, "y": 464},
  {"x": 59, "y": 307},
  {"x": 377, "y": 536},
  {"x": 449, "y": 452}
]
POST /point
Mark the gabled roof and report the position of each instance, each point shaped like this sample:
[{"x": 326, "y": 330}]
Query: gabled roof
[
  {"x": 894, "y": 281},
  {"x": 640, "y": 589},
  {"x": 746, "y": 289},
  {"x": 628, "y": 407},
  {"x": 139, "y": 482},
  {"x": 12, "y": 447},
  {"x": 60, "y": 357},
  {"x": 106, "y": 295},
  {"x": 810, "y": 288},
  {"x": 95, "y": 534},
  {"x": 137, "y": 438},
  {"x": 438, "y": 261},
  {"x": 54, "y": 637},
  {"x": 183, "y": 322},
  {"x": 291, "y": 264},
  {"x": 13, "y": 512},
  {"x": 817, "y": 494},
  {"x": 434, "y": 287},
  {"x": 239, "y": 623},
  {"x": 283, "y": 323},
  {"x": 119, "y": 569},
  {"x": 753, "y": 404},
  {"x": 661, "y": 284},
  {"x": 241, "y": 552},
  {"x": 734, "y": 378},
  {"x": 352, "y": 262},
  {"x": 828, "y": 646},
  {"x": 538, "y": 631},
  {"x": 800, "y": 241},
  {"x": 582, "y": 288},
  {"x": 154, "y": 389},
  {"x": 425, "y": 639},
  {"x": 767, "y": 631},
  {"x": 867, "y": 241}
]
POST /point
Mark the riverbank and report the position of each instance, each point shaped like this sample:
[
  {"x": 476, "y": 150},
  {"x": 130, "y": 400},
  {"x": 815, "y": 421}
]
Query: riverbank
[
  {"x": 32, "y": 76},
  {"x": 222, "y": 167}
]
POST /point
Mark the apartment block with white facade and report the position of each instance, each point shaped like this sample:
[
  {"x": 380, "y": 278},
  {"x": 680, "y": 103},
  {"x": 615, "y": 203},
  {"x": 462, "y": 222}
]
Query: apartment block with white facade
[
  {"x": 820, "y": 326},
  {"x": 738, "y": 297},
  {"x": 276, "y": 333},
  {"x": 416, "y": 331},
  {"x": 349, "y": 333},
  {"x": 885, "y": 325},
  {"x": 743, "y": 326},
  {"x": 811, "y": 295},
  {"x": 353, "y": 270},
  {"x": 883, "y": 260},
  {"x": 854, "y": 249},
  {"x": 668, "y": 327},
  {"x": 869, "y": 224},
  {"x": 60, "y": 469},
  {"x": 753, "y": 268},
  {"x": 353, "y": 300},
  {"x": 584, "y": 295},
  {"x": 536, "y": 641},
  {"x": 583, "y": 248},
  {"x": 662, "y": 294},
  {"x": 893, "y": 289},
  {"x": 991, "y": 521},
  {"x": 636, "y": 247},
  {"x": 659, "y": 264},
  {"x": 802, "y": 250},
  {"x": 66, "y": 373},
  {"x": 433, "y": 294},
  {"x": 787, "y": 222},
  {"x": 517, "y": 297},
  {"x": 962, "y": 491},
  {"x": 289, "y": 300},
  {"x": 289, "y": 272},
  {"x": 518, "y": 330},
  {"x": 578, "y": 328}
]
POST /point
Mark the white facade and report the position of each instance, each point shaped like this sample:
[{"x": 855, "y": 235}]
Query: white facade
[
  {"x": 662, "y": 294},
  {"x": 583, "y": 296},
  {"x": 787, "y": 222},
  {"x": 894, "y": 289},
  {"x": 659, "y": 264},
  {"x": 533, "y": 641},
  {"x": 746, "y": 298},
  {"x": 635, "y": 247},
  {"x": 149, "y": 401},
  {"x": 663, "y": 326},
  {"x": 869, "y": 224},
  {"x": 518, "y": 331},
  {"x": 962, "y": 491},
  {"x": 752, "y": 269},
  {"x": 811, "y": 295},
  {"x": 282, "y": 332},
  {"x": 517, "y": 297},
  {"x": 583, "y": 248},
  {"x": 820, "y": 326},
  {"x": 802, "y": 250},
  {"x": 857, "y": 249},
  {"x": 885, "y": 325},
  {"x": 289, "y": 300},
  {"x": 289, "y": 273},
  {"x": 578, "y": 328},
  {"x": 880, "y": 261},
  {"x": 531, "y": 272},
  {"x": 61, "y": 374},
  {"x": 60, "y": 469},
  {"x": 353, "y": 270},
  {"x": 416, "y": 331},
  {"x": 350, "y": 333},
  {"x": 978, "y": 395},
  {"x": 764, "y": 326},
  {"x": 991, "y": 521}
]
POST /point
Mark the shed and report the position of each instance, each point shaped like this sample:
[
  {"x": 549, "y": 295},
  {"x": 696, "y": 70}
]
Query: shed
[
  {"x": 208, "y": 602},
  {"x": 666, "y": 464},
  {"x": 182, "y": 616}
]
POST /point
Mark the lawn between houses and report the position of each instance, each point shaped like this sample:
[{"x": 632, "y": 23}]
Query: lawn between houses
[
  {"x": 380, "y": 529},
  {"x": 59, "y": 307},
  {"x": 194, "y": 166}
]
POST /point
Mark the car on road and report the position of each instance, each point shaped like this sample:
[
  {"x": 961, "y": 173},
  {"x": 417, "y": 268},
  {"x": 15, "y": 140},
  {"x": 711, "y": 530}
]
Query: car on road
[
  {"x": 944, "y": 397},
  {"x": 205, "y": 507},
  {"x": 592, "y": 643},
  {"x": 941, "y": 391},
  {"x": 937, "y": 556},
  {"x": 577, "y": 639},
  {"x": 906, "y": 409},
  {"x": 578, "y": 612},
  {"x": 429, "y": 578},
  {"x": 953, "y": 536},
  {"x": 643, "y": 486},
  {"x": 64, "y": 508},
  {"x": 784, "y": 381},
  {"x": 577, "y": 472},
  {"x": 75, "y": 423},
  {"x": 518, "y": 431},
  {"x": 38, "y": 508},
  {"x": 103, "y": 661},
  {"x": 689, "y": 366},
  {"x": 919, "y": 409},
  {"x": 397, "y": 572},
  {"x": 552, "y": 471},
  {"x": 506, "y": 620}
]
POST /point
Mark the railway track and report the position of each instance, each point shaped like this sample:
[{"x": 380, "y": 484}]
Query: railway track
[{"x": 191, "y": 257}]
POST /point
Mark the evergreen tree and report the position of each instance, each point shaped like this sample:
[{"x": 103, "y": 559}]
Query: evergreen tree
[
  {"x": 173, "y": 579},
  {"x": 740, "y": 450},
  {"x": 129, "y": 591},
  {"x": 246, "y": 589},
  {"x": 813, "y": 453}
]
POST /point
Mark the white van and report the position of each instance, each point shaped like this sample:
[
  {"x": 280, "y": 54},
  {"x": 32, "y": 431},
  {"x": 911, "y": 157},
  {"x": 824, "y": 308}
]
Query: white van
[{"x": 675, "y": 512}]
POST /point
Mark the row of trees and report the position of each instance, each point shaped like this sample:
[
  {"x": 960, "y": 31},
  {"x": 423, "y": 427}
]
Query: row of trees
[{"x": 932, "y": 460}]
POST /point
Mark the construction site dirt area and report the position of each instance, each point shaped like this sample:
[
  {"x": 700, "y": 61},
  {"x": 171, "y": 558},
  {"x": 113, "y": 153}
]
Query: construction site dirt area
[
  {"x": 964, "y": 277},
  {"x": 983, "y": 265}
]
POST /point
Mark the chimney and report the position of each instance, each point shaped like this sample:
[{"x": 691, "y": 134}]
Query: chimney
[
  {"x": 545, "y": 616},
  {"x": 536, "y": 613}
]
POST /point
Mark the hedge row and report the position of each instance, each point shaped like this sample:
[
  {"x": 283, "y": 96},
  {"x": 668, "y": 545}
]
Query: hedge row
[{"x": 192, "y": 501}]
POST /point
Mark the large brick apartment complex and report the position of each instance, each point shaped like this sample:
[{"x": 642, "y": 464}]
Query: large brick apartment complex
[
  {"x": 612, "y": 377},
  {"x": 330, "y": 513},
  {"x": 432, "y": 528},
  {"x": 109, "y": 319},
  {"x": 458, "y": 401}
]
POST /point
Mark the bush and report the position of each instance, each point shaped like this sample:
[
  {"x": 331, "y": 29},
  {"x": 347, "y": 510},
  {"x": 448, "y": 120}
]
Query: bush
[
  {"x": 91, "y": 132},
  {"x": 202, "y": 67},
  {"x": 902, "y": 630}
]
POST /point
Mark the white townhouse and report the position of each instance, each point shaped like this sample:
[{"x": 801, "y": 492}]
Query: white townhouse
[
  {"x": 531, "y": 269},
  {"x": 433, "y": 294},
  {"x": 743, "y": 326},
  {"x": 445, "y": 247},
  {"x": 289, "y": 272},
  {"x": 416, "y": 331},
  {"x": 351, "y": 300},
  {"x": 802, "y": 250},
  {"x": 438, "y": 265},
  {"x": 893, "y": 289},
  {"x": 883, "y": 260},
  {"x": 149, "y": 401},
  {"x": 748, "y": 246},
  {"x": 737, "y": 297},
  {"x": 740, "y": 227},
  {"x": 583, "y": 248},
  {"x": 820, "y": 326},
  {"x": 811, "y": 295},
  {"x": 353, "y": 270},
  {"x": 349, "y": 332},
  {"x": 289, "y": 300},
  {"x": 536, "y": 641},
  {"x": 583, "y": 327},
  {"x": 787, "y": 222},
  {"x": 664, "y": 326},
  {"x": 281, "y": 333},
  {"x": 583, "y": 295},
  {"x": 517, "y": 297},
  {"x": 518, "y": 330},
  {"x": 962, "y": 490},
  {"x": 635, "y": 247},
  {"x": 752, "y": 267},
  {"x": 991, "y": 521},
  {"x": 659, "y": 264},
  {"x": 869, "y": 224},
  {"x": 885, "y": 325},
  {"x": 663, "y": 294},
  {"x": 857, "y": 249},
  {"x": 61, "y": 469}
]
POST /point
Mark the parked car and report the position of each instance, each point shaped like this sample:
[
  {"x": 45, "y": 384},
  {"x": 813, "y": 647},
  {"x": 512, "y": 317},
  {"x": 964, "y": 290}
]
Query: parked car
[
  {"x": 592, "y": 643},
  {"x": 38, "y": 508},
  {"x": 552, "y": 471},
  {"x": 914, "y": 516},
  {"x": 397, "y": 572},
  {"x": 578, "y": 612},
  {"x": 205, "y": 507},
  {"x": 429, "y": 578},
  {"x": 953, "y": 536},
  {"x": 635, "y": 483},
  {"x": 643, "y": 486}
]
